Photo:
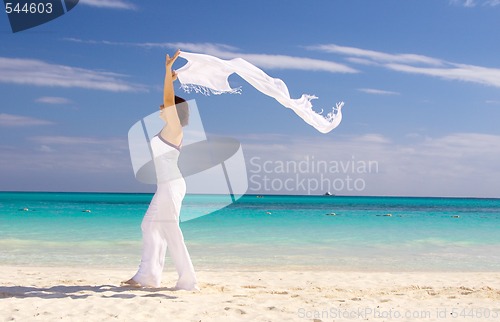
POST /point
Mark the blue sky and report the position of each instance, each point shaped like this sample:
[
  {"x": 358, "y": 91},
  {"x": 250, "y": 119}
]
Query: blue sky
[{"x": 420, "y": 81}]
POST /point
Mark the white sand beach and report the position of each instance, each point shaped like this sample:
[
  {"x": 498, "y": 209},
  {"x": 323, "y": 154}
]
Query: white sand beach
[{"x": 92, "y": 294}]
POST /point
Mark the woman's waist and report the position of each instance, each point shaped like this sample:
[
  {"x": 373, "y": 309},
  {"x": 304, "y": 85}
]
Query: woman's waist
[{"x": 169, "y": 182}]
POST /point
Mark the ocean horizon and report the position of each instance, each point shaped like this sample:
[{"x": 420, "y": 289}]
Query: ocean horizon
[{"x": 257, "y": 231}]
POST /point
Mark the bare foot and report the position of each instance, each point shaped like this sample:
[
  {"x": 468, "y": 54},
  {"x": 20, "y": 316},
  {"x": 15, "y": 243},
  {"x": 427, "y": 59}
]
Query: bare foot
[{"x": 131, "y": 283}]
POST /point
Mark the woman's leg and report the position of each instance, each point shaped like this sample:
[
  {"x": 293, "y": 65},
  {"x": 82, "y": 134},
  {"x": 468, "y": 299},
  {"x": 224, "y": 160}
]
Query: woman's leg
[
  {"x": 153, "y": 249},
  {"x": 180, "y": 257},
  {"x": 171, "y": 231},
  {"x": 161, "y": 231}
]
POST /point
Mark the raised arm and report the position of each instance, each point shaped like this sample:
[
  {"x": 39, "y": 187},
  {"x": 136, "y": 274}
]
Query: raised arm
[
  {"x": 170, "y": 76},
  {"x": 172, "y": 131}
]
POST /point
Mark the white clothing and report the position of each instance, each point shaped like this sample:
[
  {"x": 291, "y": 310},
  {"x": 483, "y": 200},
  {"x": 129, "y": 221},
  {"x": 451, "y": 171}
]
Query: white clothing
[{"x": 160, "y": 226}]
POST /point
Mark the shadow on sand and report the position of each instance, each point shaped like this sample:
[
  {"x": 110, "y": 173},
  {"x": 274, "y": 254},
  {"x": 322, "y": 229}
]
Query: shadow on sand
[{"x": 82, "y": 292}]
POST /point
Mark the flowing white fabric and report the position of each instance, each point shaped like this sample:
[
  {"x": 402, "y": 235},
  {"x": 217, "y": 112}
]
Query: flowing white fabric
[
  {"x": 160, "y": 226},
  {"x": 208, "y": 74}
]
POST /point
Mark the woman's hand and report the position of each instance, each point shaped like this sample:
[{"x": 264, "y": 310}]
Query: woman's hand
[{"x": 170, "y": 61}]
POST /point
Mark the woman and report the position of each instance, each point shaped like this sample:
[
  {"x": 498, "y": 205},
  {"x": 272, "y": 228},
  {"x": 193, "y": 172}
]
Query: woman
[{"x": 160, "y": 226}]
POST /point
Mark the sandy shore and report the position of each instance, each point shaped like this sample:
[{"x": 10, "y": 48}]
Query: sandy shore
[{"x": 76, "y": 294}]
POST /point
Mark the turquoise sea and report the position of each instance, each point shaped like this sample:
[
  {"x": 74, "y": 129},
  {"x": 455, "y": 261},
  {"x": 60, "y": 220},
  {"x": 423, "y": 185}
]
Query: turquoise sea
[{"x": 268, "y": 232}]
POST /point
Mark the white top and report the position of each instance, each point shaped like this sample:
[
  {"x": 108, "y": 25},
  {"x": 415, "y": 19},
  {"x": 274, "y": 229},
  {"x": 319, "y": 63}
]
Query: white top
[{"x": 166, "y": 156}]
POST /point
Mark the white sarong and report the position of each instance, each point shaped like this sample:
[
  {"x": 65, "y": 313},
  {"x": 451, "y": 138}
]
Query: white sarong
[{"x": 209, "y": 75}]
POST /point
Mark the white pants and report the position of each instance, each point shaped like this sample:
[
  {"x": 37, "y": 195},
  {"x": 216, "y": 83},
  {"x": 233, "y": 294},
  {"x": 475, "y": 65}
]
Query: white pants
[{"x": 161, "y": 231}]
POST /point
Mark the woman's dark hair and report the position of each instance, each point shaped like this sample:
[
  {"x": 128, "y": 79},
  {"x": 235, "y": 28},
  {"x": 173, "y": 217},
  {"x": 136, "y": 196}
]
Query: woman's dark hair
[{"x": 182, "y": 110}]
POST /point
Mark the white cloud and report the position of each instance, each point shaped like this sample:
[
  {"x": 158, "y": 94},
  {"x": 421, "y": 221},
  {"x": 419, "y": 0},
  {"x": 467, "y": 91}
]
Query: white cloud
[
  {"x": 220, "y": 50},
  {"x": 465, "y": 3},
  {"x": 362, "y": 61},
  {"x": 77, "y": 164},
  {"x": 377, "y": 91},
  {"x": 60, "y": 154},
  {"x": 90, "y": 154},
  {"x": 111, "y": 4},
  {"x": 45, "y": 148},
  {"x": 377, "y": 56},
  {"x": 372, "y": 138},
  {"x": 19, "y": 120},
  {"x": 290, "y": 62},
  {"x": 40, "y": 73},
  {"x": 228, "y": 52},
  {"x": 460, "y": 72},
  {"x": 53, "y": 100},
  {"x": 417, "y": 64},
  {"x": 474, "y": 3},
  {"x": 458, "y": 164},
  {"x": 266, "y": 60},
  {"x": 77, "y": 141}
]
